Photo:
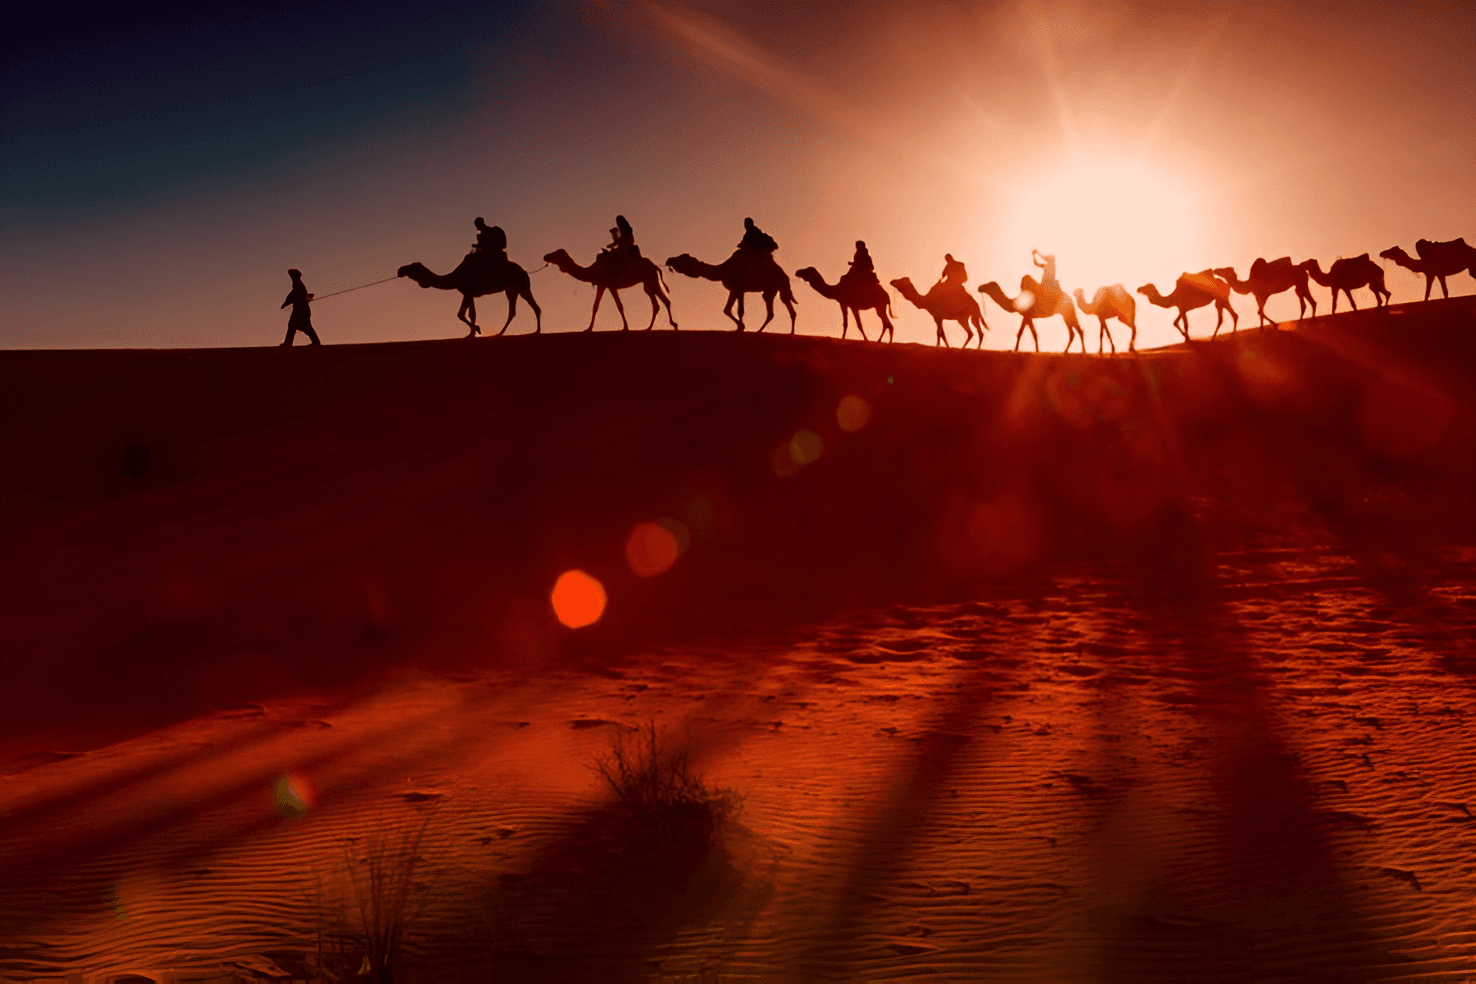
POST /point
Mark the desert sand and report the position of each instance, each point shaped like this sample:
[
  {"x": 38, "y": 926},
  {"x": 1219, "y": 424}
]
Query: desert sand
[{"x": 1043, "y": 668}]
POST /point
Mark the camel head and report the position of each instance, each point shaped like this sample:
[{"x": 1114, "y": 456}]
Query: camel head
[
  {"x": 416, "y": 272},
  {"x": 810, "y": 276},
  {"x": 1313, "y": 270},
  {"x": 904, "y": 287},
  {"x": 559, "y": 258},
  {"x": 1399, "y": 256},
  {"x": 1151, "y": 292},
  {"x": 994, "y": 291},
  {"x": 685, "y": 264}
]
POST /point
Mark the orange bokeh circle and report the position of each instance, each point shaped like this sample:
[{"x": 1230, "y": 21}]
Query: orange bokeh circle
[
  {"x": 578, "y": 599},
  {"x": 651, "y": 549}
]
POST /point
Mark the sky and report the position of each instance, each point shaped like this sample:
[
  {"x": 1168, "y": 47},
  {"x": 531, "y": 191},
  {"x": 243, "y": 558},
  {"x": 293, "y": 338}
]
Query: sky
[{"x": 162, "y": 166}]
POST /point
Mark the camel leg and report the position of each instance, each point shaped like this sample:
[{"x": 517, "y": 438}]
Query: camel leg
[
  {"x": 599, "y": 295},
  {"x": 1184, "y": 327},
  {"x": 1303, "y": 297},
  {"x": 886, "y": 328},
  {"x": 615, "y": 296},
  {"x": 512, "y": 307},
  {"x": 1027, "y": 323},
  {"x": 1430, "y": 284},
  {"x": 789, "y": 305},
  {"x": 1354, "y": 304},
  {"x": 728, "y": 310},
  {"x": 667, "y": 301},
  {"x": 655, "y": 307},
  {"x": 942, "y": 338},
  {"x": 768, "y": 309},
  {"x": 844, "y": 325},
  {"x": 1261, "y": 310},
  {"x": 527, "y": 294},
  {"x": 469, "y": 307},
  {"x": 858, "y": 326}
]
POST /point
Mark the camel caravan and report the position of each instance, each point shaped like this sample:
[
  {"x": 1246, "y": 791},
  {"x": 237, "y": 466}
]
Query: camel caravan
[{"x": 752, "y": 269}]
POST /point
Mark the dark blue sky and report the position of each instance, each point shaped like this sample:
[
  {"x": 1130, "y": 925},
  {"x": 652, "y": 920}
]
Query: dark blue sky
[{"x": 151, "y": 102}]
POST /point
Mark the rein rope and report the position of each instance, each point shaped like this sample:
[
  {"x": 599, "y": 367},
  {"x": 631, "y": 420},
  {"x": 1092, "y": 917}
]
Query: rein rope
[{"x": 386, "y": 280}]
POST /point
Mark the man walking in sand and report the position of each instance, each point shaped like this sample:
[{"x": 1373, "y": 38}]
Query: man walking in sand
[{"x": 302, "y": 317}]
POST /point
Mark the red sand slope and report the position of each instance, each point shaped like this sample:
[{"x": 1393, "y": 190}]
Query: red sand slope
[{"x": 1058, "y": 668}]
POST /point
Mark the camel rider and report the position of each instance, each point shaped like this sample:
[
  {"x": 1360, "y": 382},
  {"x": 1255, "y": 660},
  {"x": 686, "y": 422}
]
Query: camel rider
[
  {"x": 954, "y": 272},
  {"x": 862, "y": 270},
  {"x": 491, "y": 240},
  {"x": 756, "y": 239},
  {"x": 622, "y": 248},
  {"x": 1047, "y": 263},
  {"x": 622, "y": 239}
]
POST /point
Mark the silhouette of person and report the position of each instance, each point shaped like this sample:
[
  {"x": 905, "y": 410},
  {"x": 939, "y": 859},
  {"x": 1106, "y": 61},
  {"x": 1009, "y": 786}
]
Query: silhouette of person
[
  {"x": 756, "y": 239},
  {"x": 491, "y": 239},
  {"x": 622, "y": 239},
  {"x": 622, "y": 248},
  {"x": 301, "y": 319},
  {"x": 1047, "y": 263},
  {"x": 954, "y": 272},
  {"x": 862, "y": 270}
]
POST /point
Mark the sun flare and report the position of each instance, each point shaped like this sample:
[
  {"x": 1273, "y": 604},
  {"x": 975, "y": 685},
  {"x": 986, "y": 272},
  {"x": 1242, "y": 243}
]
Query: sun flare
[{"x": 1106, "y": 222}]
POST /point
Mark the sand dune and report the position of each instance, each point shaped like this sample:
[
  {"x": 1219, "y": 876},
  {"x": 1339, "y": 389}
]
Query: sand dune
[{"x": 1058, "y": 668}]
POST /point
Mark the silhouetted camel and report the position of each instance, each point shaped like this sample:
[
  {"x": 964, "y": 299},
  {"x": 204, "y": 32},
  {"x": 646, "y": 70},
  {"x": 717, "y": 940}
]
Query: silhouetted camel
[
  {"x": 747, "y": 271},
  {"x": 1036, "y": 301},
  {"x": 1268, "y": 278},
  {"x": 475, "y": 276},
  {"x": 1195, "y": 290},
  {"x": 1347, "y": 275},
  {"x": 1436, "y": 261},
  {"x": 1111, "y": 302},
  {"x": 628, "y": 272},
  {"x": 947, "y": 302},
  {"x": 853, "y": 297}
]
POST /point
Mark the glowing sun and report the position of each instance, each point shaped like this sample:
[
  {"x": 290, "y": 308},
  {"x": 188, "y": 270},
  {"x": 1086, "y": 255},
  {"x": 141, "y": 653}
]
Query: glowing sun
[{"x": 1106, "y": 221}]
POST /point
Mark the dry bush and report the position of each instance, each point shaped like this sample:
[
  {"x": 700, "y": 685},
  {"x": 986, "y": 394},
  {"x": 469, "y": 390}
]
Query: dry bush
[
  {"x": 652, "y": 777},
  {"x": 369, "y": 903}
]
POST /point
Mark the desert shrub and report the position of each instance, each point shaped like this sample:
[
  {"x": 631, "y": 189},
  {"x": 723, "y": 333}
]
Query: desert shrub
[
  {"x": 369, "y": 903},
  {"x": 651, "y": 775}
]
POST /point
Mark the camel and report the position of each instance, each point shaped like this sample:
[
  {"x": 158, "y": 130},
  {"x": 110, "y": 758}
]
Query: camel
[
  {"x": 1195, "y": 290},
  {"x": 1035, "y": 301},
  {"x": 1111, "y": 302},
  {"x": 477, "y": 275},
  {"x": 947, "y": 302},
  {"x": 634, "y": 270},
  {"x": 854, "y": 297},
  {"x": 1270, "y": 277},
  {"x": 747, "y": 271},
  {"x": 1436, "y": 261},
  {"x": 1347, "y": 275}
]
